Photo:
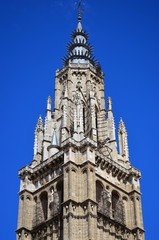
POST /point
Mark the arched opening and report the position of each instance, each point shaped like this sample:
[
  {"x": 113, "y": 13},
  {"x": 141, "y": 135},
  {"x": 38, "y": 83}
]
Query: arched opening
[
  {"x": 99, "y": 190},
  {"x": 115, "y": 199},
  {"x": 103, "y": 199},
  {"x": 117, "y": 208},
  {"x": 44, "y": 204},
  {"x": 59, "y": 188}
]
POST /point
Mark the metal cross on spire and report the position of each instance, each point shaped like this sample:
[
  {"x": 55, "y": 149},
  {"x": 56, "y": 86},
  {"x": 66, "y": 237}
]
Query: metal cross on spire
[{"x": 80, "y": 10}]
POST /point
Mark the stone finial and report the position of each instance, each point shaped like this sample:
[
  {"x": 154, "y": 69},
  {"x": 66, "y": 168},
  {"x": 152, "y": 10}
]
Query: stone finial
[
  {"x": 123, "y": 140},
  {"x": 49, "y": 103},
  {"x": 39, "y": 125},
  {"x": 48, "y": 109},
  {"x": 109, "y": 104},
  {"x": 122, "y": 128}
]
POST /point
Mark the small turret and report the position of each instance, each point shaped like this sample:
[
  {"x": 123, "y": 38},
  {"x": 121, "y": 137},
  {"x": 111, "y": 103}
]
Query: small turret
[
  {"x": 123, "y": 140},
  {"x": 54, "y": 139},
  {"x": 53, "y": 148}
]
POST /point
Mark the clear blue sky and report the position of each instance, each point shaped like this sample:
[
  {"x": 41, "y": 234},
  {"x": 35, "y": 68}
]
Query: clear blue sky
[{"x": 33, "y": 38}]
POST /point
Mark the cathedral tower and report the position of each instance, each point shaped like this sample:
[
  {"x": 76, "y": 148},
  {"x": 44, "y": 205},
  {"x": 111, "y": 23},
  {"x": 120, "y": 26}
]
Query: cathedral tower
[{"x": 78, "y": 185}]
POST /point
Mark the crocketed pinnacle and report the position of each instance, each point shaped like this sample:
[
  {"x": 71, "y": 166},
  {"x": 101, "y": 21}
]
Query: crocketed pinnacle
[
  {"x": 122, "y": 128},
  {"x": 39, "y": 126},
  {"x": 123, "y": 140}
]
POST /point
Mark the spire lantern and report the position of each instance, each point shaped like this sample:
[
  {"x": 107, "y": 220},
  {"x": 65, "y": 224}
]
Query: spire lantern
[{"x": 79, "y": 49}]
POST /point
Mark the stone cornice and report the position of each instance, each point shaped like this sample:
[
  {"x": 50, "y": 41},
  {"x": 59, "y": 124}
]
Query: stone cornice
[
  {"x": 85, "y": 202},
  {"x": 79, "y": 216},
  {"x": 138, "y": 229},
  {"x": 78, "y": 67},
  {"x": 118, "y": 170},
  {"x": 43, "y": 166}
]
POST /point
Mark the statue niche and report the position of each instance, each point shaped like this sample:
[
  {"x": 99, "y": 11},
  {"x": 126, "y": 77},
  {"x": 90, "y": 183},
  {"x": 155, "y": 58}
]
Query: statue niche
[
  {"x": 56, "y": 199},
  {"x": 78, "y": 114}
]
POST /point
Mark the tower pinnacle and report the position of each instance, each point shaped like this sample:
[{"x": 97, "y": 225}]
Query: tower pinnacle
[{"x": 123, "y": 140}]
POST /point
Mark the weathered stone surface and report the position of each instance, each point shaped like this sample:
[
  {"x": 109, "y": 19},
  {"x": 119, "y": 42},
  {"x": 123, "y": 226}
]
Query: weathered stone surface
[{"x": 78, "y": 186}]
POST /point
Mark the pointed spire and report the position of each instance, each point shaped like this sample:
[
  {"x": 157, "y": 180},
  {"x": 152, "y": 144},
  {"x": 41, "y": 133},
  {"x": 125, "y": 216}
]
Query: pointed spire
[
  {"x": 38, "y": 136},
  {"x": 123, "y": 140},
  {"x": 39, "y": 125},
  {"x": 122, "y": 128},
  {"x": 48, "y": 108},
  {"x": 109, "y": 104},
  {"x": 49, "y": 103}
]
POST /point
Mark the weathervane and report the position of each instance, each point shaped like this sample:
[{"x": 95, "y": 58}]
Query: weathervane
[
  {"x": 80, "y": 11},
  {"x": 79, "y": 4}
]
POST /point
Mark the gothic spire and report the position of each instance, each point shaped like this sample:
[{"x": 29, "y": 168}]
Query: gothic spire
[
  {"x": 48, "y": 108},
  {"x": 123, "y": 140},
  {"x": 79, "y": 49},
  {"x": 38, "y": 136},
  {"x": 49, "y": 103},
  {"x": 39, "y": 126},
  {"x": 109, "y": 104}
]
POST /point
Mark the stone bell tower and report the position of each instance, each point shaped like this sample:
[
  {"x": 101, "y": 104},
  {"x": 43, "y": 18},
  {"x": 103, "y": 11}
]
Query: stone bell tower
[{"x": 79, "y": 186}]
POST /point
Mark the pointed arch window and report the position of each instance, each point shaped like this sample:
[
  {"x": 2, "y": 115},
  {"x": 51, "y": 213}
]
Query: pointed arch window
[
  {"x": 117, "y": 208},
  {"x": 103, "y": 199},
  {"x": 59, "y": 194},
  {"x": 44, "y": 204},
  {"x": 99, "y": 190},
  {"x": 115, "y": 200}
]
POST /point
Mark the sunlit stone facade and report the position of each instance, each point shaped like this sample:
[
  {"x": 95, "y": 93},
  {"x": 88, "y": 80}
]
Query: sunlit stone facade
[{"x": 79, "y": 186}]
